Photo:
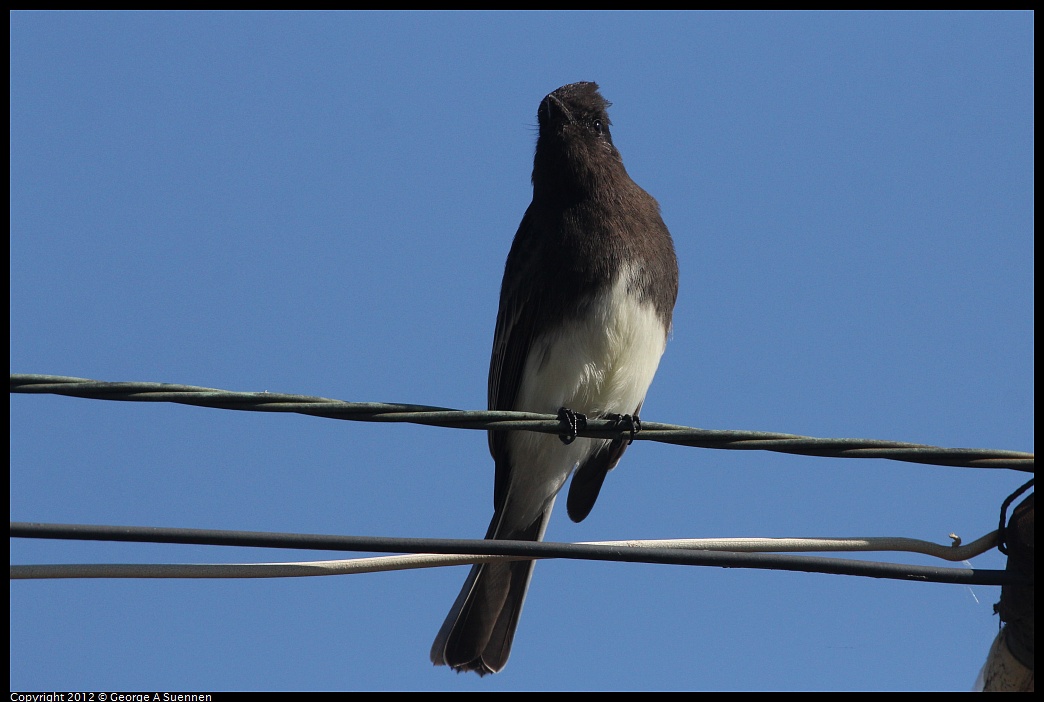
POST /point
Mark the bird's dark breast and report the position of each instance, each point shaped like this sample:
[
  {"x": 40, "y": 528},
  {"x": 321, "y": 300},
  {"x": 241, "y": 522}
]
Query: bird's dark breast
[{"x": 595, "y": 243}]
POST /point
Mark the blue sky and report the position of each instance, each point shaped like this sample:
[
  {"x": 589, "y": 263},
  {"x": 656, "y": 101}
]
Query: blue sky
[{"x": 322, "y": 204}]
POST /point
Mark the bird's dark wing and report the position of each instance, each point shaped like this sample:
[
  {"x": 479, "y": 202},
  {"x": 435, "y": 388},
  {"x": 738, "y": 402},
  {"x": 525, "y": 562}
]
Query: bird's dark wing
[
  {"x": 589, "y": 476},
  {"x": 518, "y": 320}
]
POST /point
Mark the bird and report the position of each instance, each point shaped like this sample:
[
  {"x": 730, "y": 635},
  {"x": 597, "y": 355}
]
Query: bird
[{"x": 586, "y": 308}]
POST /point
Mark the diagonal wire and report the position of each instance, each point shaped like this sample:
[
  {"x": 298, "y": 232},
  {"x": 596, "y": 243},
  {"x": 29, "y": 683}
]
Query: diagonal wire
[
  {"x": 613, "y": 551},
  {"x": 549, "y": 424},
  {"x": 380, "y": 564}
]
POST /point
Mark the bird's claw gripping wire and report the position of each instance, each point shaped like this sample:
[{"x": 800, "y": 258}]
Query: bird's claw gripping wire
[
  {"x": 630, "y": 423},
  {"x": 574, "y": 422}
]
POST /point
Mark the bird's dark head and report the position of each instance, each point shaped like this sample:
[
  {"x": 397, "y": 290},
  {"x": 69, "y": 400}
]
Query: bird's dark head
[
  {"x": 574, "y": 146},
  {"x": 576, "y": 110}
]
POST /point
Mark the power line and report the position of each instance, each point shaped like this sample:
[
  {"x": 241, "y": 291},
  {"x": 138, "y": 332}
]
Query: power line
[
  {"x": 545, "y": 423},
  {"x": 688, "y": 552},
  {"x": 481, "y": 547}
]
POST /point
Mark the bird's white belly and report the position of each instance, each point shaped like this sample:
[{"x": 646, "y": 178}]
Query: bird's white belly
[{"x": 597, "y": 365}]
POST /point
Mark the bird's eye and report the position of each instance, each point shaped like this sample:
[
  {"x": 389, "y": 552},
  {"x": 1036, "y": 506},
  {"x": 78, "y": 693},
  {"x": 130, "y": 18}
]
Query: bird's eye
[{"x": 597, "y": 124}]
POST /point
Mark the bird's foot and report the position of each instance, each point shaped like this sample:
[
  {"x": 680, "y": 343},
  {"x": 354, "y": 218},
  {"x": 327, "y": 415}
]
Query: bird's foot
[
  {"x": 629, "y": 422},
  {"x": 573, "y": 421}
]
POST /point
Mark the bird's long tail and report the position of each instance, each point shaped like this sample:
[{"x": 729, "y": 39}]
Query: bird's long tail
[{"x": 478, "y": 631}]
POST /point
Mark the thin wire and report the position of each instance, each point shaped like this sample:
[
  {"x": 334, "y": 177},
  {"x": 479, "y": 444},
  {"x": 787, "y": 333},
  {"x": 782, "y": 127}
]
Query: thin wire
[
  {"x": 549, "y": 424},
  {"x": 1002, "y": 542},
  {"x": 518, "y": 549},
  {"x": 376, "y": 564}
]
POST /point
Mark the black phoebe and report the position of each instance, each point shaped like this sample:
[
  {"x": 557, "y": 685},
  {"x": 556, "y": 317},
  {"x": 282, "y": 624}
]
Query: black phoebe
[{"x": 585, "y": 309}]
